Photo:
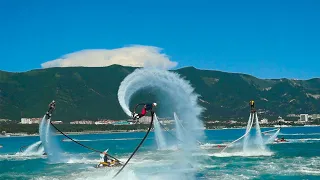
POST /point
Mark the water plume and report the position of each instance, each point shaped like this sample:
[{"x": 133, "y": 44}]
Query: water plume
[
  {"x": 179, "y": 97},
  {"x": 161, "y": 142}
]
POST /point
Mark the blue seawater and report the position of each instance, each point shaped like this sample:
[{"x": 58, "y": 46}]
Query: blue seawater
[{"x": 299, "y": 158}]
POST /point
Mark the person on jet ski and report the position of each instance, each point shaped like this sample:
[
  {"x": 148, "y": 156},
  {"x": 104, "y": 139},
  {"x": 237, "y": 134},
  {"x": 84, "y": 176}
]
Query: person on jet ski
[
  {"x": 146, "y": 107},
  {"x": 52, "y": 106},
  {"x": 106, "y": 158}
]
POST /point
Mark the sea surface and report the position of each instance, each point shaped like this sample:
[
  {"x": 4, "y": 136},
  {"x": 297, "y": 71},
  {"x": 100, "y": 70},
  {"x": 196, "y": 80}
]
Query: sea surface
[{"x": 299, "y": 158}]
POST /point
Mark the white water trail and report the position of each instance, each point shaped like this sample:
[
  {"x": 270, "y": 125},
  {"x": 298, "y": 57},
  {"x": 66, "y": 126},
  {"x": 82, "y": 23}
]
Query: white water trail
[
  {"x": 161, "y": 142},
  {"x": 179, "y": 130},
  {"x": 250, "y": 123},
  {"x": 273, "y": 137},
  {"x": 34, "y": 149},
  {"x": 259, "y": 140},
  {"x": 178, "y": 96},
  {"x": 245, "y": 140}
]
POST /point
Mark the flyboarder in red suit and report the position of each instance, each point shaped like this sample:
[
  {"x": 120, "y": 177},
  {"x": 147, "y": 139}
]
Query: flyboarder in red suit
[{"x": 146, "y": 107}]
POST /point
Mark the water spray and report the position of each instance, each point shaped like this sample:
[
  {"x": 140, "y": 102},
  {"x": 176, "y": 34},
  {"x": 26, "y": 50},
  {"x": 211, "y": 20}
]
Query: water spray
[
  {"x": 247, "y": 132},
  {"x": 179, "y": 96}
]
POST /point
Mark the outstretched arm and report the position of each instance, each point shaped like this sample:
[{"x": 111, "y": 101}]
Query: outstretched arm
[{"x": 140, "y": 104}]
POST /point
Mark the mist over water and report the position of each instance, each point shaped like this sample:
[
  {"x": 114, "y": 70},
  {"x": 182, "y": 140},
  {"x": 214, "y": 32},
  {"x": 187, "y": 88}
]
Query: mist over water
[{"x": 182, "y": 99}]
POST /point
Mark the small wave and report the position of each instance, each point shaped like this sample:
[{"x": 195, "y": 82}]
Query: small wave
[
  {"x": 21, "y": 156},
  {"x": 116, "y": 139},
  {"x": 212, "y": 146},
  {"x": 243, "y": 154},
  {"x": 304, "y": 140},
  {"x": 299, "y": 134},
  {"x": 82, "y": 161},
  {"x": 309, "y": 139}
]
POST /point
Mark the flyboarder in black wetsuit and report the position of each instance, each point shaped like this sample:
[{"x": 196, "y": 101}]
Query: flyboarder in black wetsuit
[{"x": 52, "y": 106}]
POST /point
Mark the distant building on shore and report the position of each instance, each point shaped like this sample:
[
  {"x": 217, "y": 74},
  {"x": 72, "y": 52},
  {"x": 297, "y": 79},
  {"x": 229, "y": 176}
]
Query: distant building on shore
[
  {"x": 122, "y": 123},
  {"x": 293, "y": 115},
  {"x": 81, "y": 122},
  {"x": 304, "y": 117},
  {"x": 30, "y": 120},
  {"x": 264, "y": 121},
  {"x": 145, "y": 120},
  {"x": 101, "y": 122},
  {"x": 56, "y": 122}
]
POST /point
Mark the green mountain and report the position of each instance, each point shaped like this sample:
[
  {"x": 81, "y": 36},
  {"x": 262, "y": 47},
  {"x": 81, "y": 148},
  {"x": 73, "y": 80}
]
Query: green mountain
[{"x": 91, "y": 93}]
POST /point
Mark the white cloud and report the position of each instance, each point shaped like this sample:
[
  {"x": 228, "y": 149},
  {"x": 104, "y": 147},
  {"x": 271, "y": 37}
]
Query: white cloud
[{"x": 135, "y": 56}]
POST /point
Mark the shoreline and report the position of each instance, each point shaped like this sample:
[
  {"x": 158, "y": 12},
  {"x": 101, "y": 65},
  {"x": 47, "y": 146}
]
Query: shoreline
[{"x": 123, "y": 131}]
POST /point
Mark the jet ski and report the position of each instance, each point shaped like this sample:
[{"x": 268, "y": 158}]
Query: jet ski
[
  {"x": 109, "y": 163},
  {"x": 112, "y": 163},
  {"x": 277, "y": 140}
]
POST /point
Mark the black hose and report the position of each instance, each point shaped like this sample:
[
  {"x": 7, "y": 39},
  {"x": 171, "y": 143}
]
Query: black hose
[
  {"x": 145, "y": 136},
  {"x": 92, "y": 149}
]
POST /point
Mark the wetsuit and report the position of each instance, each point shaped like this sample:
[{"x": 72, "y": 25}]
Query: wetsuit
[
  {"x": 105, "y": 158},
  {"x": 52, "y": 106},
  {"x": 252, "y": 105},
  {"x": 147, "y": 107}
]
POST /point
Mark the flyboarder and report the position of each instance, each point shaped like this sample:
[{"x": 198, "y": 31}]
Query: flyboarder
[
  {"x": 52, "y": 106},
  {"x": 146, "y": 107},
  {"x": 251, "y": 103}
]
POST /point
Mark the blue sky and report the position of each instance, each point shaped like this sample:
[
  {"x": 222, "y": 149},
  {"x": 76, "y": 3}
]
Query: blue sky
[{"x": 267, "y": 39}]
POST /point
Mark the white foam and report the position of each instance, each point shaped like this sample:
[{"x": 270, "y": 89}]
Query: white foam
[
  {"x": 21, "y": 156},
  {"x": 243, "y": 154},
  {"x": 115, "y": 139}
]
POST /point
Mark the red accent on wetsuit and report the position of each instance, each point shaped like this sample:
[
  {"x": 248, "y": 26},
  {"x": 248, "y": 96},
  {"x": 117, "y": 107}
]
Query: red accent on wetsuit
[{"x": 143, "y": 111}]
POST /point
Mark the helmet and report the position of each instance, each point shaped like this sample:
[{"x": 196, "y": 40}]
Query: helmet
[
  {"x": 53, "y": 101},
  {"x": 154, "y": 104}
]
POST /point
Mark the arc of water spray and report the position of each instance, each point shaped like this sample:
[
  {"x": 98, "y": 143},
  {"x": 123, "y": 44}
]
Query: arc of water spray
[{"x": 247, "y": 132}]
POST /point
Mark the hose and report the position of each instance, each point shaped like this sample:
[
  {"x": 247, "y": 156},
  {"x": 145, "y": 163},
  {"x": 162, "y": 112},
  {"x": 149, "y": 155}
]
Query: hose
[
  {"x": 90, "y": 148},
  {"x": 145, "y": 136}
]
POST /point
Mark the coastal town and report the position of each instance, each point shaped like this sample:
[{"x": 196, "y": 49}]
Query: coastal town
[{"x": 290, "y": 119}]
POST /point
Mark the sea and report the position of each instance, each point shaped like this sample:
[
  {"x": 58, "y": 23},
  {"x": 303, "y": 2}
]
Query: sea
[{"x": 298, "y": 158}]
